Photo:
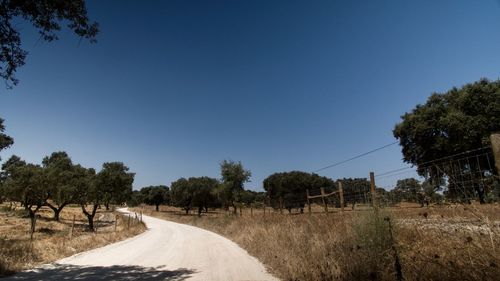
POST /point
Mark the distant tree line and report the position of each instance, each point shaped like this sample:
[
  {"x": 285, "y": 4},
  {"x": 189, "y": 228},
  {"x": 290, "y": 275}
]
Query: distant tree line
[{"x": 202, "y": 193}]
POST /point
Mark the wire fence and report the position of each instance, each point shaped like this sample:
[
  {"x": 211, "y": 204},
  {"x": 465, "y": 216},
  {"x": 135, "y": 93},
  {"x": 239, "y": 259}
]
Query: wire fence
[
  {"x": 460, "y": 178},
  {"x": 465, "y": 177}
]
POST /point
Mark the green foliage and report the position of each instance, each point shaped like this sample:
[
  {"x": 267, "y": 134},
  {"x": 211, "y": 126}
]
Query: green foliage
[
  {"x": 248, "y": 197},
  {"x": 290, "y": 188},
  {"x": 5, "y": 141},
  {"x": 60, "y": 175},
  {"x": 408, "y": 189},
  {"x": 136, "y": 198},
  {"x": 84, "y": 181},
  {"x": 155, "y": 195},
  {"x": 115, "y": 182},
  {"x": 195, "y": 192},
  {"x": 59, "y": 182},
  {"x": 234, "y": 177},
  {"x": 454, "y": 122},
  {"x": 25, "y": 183},
  {"x": 45, "y": 16}
]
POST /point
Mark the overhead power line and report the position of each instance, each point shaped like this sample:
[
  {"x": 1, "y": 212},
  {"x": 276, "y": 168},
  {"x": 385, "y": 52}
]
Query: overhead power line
[{"x": 355, "y": 157}]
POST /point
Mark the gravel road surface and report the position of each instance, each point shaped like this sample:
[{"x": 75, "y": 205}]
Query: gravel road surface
[{"x": 166, "y": 251}]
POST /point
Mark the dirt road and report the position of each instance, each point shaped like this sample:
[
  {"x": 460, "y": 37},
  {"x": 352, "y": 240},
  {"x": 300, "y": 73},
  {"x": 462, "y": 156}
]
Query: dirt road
[{"x": 167, "y": 251}]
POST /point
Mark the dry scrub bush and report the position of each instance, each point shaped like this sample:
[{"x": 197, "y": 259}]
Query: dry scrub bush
[{"x": 54, "y": 240}]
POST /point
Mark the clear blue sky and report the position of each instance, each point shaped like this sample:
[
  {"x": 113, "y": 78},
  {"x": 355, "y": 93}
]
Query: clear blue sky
[{"x": 174, "y": 87}]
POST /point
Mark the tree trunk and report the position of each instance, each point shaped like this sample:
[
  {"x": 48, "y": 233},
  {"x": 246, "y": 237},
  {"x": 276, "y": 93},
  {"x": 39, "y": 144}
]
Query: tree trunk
[
  {"x": 57, "y": 210},
  {"x": 33, "y": 222},
  {"x": 107, "y": 206},
  {"x": 32, "y": 215},
  {"x": 90, "y": 216},
  {"x": 199, "y": 211},
  {"x": 157, "y": 207}
]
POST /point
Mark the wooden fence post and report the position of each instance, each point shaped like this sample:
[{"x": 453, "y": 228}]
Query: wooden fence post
[
  {"x": 323, "y": 198},
  {"x": 341, "y": 196},
  {"x": 372, "y": 189},
  {"x": 128, "y": 221},
  {"x": 308, "y": 202}
]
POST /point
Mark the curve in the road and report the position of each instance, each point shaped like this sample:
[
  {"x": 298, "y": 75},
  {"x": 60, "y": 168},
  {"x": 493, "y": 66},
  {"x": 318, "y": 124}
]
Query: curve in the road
[{"x": 166, "y": 251}]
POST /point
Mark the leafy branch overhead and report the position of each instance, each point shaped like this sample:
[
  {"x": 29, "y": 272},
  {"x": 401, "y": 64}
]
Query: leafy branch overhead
[
  {"x": 46, "y": 17},
  {"x": 5, "y": 140}
]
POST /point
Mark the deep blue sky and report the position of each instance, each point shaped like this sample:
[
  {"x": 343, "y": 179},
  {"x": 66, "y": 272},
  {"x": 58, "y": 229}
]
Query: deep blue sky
[{"x": 174, "y": 87}]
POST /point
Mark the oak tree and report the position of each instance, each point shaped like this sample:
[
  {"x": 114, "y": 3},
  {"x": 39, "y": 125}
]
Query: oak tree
[
  {"x": 46, "y": 17},
  {"x": 451, "y": 123}
]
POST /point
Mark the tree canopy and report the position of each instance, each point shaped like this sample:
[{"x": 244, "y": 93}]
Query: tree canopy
[
  {"x": 5, "y": 140},
  {"x": 234, "y": 177},
  {"x": 448, "y": 124},
  {"x": 58, "y": 182},
  {"x": 155, "y": 195},
  {"x": 60, "y": 178},
  {"x": 26, "y": 183},
  {"x": 194, "y": 192},
  {"x": 44, "y": 16},
  {"x": 288, "y": 189},
  {"x": 115, "y": 182}
]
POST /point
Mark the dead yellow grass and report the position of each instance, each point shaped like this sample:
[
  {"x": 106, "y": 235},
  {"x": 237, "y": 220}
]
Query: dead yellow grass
[
  {"x": 54, "y": 240},
  {"x": 432, "y": 243}
]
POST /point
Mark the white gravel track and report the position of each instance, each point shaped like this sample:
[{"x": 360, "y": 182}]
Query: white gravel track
[{"x": 166, "y": 251}]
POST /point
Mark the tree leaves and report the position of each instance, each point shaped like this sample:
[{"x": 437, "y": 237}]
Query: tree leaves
[{"x": 46, "y": 17}]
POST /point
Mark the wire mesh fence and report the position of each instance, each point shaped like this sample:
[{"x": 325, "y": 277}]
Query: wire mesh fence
[{"x": 466, "y": 177}]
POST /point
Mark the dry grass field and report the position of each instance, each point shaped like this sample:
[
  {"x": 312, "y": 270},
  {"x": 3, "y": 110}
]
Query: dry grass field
[
  {"x": 54, "y": 240},
  {"x": 455, "y": 242}
]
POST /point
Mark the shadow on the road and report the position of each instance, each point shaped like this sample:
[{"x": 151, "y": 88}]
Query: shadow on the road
[{"x": 116, "y": 272}]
